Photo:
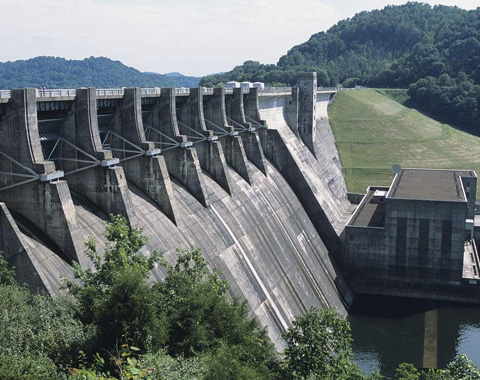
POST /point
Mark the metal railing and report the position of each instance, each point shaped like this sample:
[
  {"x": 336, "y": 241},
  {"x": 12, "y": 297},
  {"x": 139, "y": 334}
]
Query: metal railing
[
  {"x": 109, "y": 91},
  {"x": 151, "y": 91},
  {"x": 182, "y": 90},
  {"x": 269, "y": 90},
  {"x": 5, "y": 94},
  {"x": 52, "y": 93},
  {"x": 327, "y": 89}
]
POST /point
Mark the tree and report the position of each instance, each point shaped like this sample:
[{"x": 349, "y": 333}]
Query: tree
[
  {"x": 406, "y": 371},
  {"x": 35, "y": 328},
  {"x": 350, "y": 82},
  {"x": 319, "y": 347},
  {"x": 7, "y": 275},
  {"x": 460, "y": 368},
  {"x": 114, "y": 297},
  {"x": 122, "y": 251},
  {"x": 201, "y": 319},
  {"x": 130, "y": 309}
]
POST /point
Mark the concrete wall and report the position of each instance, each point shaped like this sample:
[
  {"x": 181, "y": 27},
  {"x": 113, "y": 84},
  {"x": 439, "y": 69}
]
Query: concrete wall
[
  {"x": 260, "y": 239},
  {"x": 470, "y": 186},
  {"x": 268, "y": 237},
  {"x": 366, "y": 253},
  {"x": 438, "y": 267},
  {"x": 322, "y": 175}
]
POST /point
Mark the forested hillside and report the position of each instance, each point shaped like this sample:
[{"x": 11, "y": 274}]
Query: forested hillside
[
  {"x": 100, "y": 72},
  {"x": 435, "y": 50}
]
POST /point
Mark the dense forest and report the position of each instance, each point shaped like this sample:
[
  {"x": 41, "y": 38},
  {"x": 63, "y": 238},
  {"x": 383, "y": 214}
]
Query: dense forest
[
  {"x": 434, "y": 51},
  {"x": 100, "y": 72},
  {"x": 114, "y": 323}
]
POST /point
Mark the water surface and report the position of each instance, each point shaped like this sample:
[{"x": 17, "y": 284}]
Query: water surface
[{"x": 387, "y": 332}]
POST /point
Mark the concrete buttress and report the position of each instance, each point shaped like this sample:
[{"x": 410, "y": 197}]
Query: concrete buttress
[
  {"x": 251, "y": 108},
  {"x": 104, "y": 185},
  {"x": 307, "y": 95},
  {"x": 47, "y": 205},
  {"x": 148, "y": 172},
  {"x": 216, "y": 117},
  {"x": 251, "y": 142},
  {"x": 210, "y": 153},
  {"x": 18, "y": 254},
  {"x": 182, "y": 162}
]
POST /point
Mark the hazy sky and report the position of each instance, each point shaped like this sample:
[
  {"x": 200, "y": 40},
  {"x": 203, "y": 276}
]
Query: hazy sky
[{"x": 195, "y": 37}]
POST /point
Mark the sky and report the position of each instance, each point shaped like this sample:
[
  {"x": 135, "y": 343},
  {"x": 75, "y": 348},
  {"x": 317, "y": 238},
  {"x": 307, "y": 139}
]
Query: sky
[{"x": 194, "y": 37}]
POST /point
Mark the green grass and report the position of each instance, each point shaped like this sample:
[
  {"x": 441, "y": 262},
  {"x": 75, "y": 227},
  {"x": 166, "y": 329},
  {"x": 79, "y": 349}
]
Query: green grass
[{"x": 373, "y": 131}]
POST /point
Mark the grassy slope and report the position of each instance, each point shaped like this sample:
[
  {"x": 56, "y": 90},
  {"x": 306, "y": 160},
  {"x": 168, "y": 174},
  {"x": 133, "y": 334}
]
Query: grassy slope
[{"x": 373, "y": 132}]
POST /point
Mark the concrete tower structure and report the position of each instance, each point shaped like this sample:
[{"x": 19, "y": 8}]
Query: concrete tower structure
[{"x": 307, "y": 95}]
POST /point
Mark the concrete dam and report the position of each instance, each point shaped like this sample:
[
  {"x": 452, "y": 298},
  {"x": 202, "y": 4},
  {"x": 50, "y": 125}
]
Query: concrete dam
[{"x": 252, "y": 177}]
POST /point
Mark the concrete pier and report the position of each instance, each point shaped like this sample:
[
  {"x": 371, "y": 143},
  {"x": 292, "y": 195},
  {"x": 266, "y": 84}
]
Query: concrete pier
[
  {"x": 27, "y": 256},
  {"x": 216, "y": 121},
  {"x": 148, "y": 171},
  {"x": 236, "y": 115},
  {"x": 191, "y": 122},
  {"x": 105, "y": 185},
  {"x": 182, "y": 161},
  {"x": 46, "y": 204},
  {"x": 430, "y": 339},
  {"x": 307, "y": 95}
]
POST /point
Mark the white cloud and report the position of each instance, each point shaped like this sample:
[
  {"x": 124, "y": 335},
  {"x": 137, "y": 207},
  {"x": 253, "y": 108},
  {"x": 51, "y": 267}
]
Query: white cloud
[{"x": 171, "y": 35}]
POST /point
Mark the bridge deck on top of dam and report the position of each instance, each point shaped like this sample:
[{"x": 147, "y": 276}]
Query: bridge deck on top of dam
[
  {"x": 112, "y": 93},
  {"x": 226, "y": 170}
]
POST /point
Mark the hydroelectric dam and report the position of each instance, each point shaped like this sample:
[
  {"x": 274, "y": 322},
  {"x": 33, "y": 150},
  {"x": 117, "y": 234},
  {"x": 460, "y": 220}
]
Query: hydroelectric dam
[{"x": 250, "y": 176}]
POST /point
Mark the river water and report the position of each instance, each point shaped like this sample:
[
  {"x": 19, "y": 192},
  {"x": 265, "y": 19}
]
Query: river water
[{"x": 387, "y": 332}]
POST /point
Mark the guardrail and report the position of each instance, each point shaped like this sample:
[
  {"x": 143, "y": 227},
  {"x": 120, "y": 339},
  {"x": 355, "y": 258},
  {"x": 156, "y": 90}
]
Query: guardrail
[
  {"x": 151, "y": 91},
  {"x": 52, "y": 93},
  {"x": 327, "y": 89},
  {"x": 109, "y": 91},
  {"x": 270, "y": 90},
  {"x": 182, "y": 90}
]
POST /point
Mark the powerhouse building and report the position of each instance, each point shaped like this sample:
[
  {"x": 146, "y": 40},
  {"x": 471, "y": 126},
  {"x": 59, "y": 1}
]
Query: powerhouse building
[{"x": 417, "y": 233}]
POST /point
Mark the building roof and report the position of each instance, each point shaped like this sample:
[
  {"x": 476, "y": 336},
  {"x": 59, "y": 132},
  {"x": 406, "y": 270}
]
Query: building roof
[
  {"x": 369, "y": 214},
  {"x": 429, "y": 184}
]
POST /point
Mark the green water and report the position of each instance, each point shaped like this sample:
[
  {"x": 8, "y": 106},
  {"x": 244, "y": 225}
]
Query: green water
[{"x": 390, "y": 335}]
